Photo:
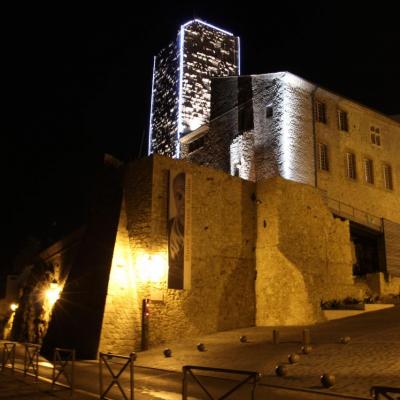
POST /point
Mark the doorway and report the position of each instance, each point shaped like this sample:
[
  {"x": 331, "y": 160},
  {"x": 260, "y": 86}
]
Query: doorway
[{"x": 369, "y": 250}]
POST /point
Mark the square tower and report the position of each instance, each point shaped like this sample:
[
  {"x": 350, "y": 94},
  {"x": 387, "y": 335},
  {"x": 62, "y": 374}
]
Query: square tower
[{"x": 181, "y": 87}]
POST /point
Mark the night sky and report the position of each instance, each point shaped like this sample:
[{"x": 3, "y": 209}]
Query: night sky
[{"x": 77, "y": 84}]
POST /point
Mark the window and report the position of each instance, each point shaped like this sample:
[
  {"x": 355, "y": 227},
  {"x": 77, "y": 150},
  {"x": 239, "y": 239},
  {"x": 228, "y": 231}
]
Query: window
[
  {"x": 368, "y": 171},
  {"x": 320, "y": 112},
  {"x": 387, "y": 176},
  {"x": 269, "y": 111},
  {"x": 351, "y": 165},
  {"x": 343, "y": 123},
  {"x": 375, "y": 136},
  {"x": 196, "y": 144},
  {"x": 323, "y": 157}
]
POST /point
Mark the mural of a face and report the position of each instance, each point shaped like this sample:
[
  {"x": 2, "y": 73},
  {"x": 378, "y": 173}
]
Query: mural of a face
[{"x": 179, "y": 197}]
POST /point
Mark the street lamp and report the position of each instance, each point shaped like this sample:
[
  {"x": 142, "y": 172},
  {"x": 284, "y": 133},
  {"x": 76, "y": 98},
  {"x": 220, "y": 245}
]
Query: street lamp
[{"x": 53, "y": 293}]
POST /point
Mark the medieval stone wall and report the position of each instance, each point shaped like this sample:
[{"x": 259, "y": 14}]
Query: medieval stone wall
[
  {"x": 265, "y": 253},
  {"x": 222, "y": 293},
  {"x": 303, "y": 254}
]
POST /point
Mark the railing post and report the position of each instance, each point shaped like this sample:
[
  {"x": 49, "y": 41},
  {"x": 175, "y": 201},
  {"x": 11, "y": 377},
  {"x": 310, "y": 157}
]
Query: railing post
[
  {"x": 253, "y": 390},
  {"x": 73, "y": 372},
  {"x": 53, "y": 378},
  {"x": 8, "y": 355},
  {"x": 184, "y": 384},
  {"x": 115, "y": 376},
  {"x": 132, "y": 359},
  {"x": 31, "y": 359},
  {"x": 100, "y": 375},
  {"x": 250, "y": 377},
  {"x": 63, "y": 368}
]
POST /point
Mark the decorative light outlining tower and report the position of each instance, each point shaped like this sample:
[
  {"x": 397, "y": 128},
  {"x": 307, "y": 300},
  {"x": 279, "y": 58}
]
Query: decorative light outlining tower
[{"x": 181, "y": 85}]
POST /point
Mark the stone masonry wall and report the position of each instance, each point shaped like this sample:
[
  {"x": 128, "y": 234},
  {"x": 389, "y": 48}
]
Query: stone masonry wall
[
  {"x": 121, "y": 312},
  {"x": 222, "y": 294},
  {"x": 242, "y": 156},
  {"x": 303, "y": 254},
  {"x": 223, "y": 240},
  {"x": 264, "y": 253}
]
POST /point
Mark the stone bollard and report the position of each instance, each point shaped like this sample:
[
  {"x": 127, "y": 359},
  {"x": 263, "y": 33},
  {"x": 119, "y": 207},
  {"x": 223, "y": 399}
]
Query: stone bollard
[
  {"x": 201, "y": 347},
  {"x": 345, "y": 340},
  {"x": 167, "y": 353},
  {"x": 281, "y": 370},
  {"x": 306, "y": 337},
  {"x": 275, "y": 336},
  {"x": 306, "y": 349},
  {"x": 328, "y": 380},
  {"x": 293, "y": 358}
]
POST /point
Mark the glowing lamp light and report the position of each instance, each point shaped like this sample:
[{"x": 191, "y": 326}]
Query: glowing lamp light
[
  {"x": 152, "y": 268},
  {"x": 13, "y": 307},
  {"x": 53, "y": 293}
]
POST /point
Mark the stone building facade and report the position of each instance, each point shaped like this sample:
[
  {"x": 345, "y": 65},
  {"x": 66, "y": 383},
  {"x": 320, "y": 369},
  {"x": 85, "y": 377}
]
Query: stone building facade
[
  {"x": 181, "y": 88},
  {"x": 281, "y": 125}
]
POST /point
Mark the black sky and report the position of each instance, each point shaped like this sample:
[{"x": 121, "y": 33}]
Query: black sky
[{"x": 77, "y": 84}]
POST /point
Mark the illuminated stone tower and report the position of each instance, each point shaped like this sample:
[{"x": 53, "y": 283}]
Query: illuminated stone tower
[{"x": 181, "y": 88}]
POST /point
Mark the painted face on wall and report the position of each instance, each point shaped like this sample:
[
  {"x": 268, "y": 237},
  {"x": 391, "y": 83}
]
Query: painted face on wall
[{"x": 179, "y": 197}]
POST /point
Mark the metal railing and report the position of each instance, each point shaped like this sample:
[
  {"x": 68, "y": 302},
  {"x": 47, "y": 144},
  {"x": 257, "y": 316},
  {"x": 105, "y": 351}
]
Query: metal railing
[
  {"x": 355, "y": 214},
  {"x": 31, "y": 360},
  {"x": 64, "y": 366},
  {"x": 251, "y": 377},
  {"x": 8, "y": 355},
  {"x": 107, "y": 359},
  {"x": 385, "y": 392}
]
